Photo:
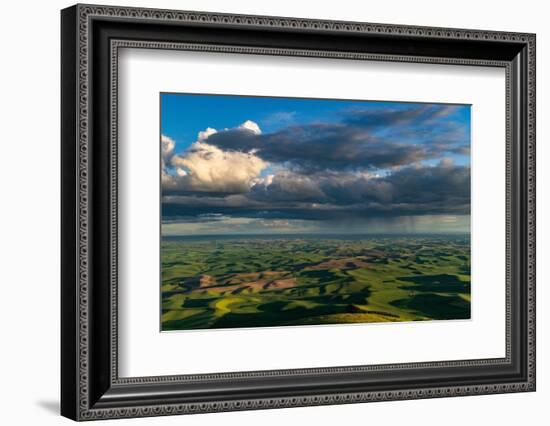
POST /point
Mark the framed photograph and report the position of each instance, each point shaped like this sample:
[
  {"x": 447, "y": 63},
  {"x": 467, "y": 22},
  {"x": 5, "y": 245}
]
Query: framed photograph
[{"x": 263, "y": 212}]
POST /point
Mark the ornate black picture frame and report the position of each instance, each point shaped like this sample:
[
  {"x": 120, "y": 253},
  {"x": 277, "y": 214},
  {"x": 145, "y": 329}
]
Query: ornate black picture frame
[{"x": 91, "y": 387}]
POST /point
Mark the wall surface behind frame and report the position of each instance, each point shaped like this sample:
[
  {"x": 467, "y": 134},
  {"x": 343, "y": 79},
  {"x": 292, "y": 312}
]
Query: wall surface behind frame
[{"x": 29, "y": 225}]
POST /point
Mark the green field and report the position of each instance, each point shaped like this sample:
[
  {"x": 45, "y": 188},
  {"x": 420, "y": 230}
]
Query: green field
[{"x": 302, "y": 280}]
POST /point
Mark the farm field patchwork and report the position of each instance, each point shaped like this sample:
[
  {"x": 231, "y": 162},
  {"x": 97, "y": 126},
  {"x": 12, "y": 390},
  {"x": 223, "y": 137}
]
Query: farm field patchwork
[{"x": 282, "y": 280}]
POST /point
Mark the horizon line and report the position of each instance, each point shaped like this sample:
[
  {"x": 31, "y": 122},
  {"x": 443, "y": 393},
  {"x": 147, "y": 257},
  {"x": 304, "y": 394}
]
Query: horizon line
[{"x": 319, "y": 233}]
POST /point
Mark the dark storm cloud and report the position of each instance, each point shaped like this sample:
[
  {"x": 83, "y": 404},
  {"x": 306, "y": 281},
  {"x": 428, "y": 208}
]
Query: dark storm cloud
[
  {"x": 316, "y": 147},
  {"x": 364, "y": 139},
  {"x": 441, "y": 189},
  {"x": 427, "y": 190}
]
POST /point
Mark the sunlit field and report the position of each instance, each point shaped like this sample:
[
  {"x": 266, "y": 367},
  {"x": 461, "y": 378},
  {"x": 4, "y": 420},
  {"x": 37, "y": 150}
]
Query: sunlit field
[{"x": 261, "y": 281}]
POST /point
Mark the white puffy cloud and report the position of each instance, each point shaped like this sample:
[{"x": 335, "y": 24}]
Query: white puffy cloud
[
  {"x": 252, "y": 126},
  {"x": 167, "y": 146},
  {"x": 204, "y": 134},
  {"x": 208, "y": 168}
]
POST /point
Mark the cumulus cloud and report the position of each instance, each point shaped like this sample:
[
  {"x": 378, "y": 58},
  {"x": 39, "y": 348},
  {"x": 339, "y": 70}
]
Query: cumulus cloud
[
  {"x": 167, "y": 146},
  {"x": 207, "y": 168},
  {"x": 251, "y": 126},
  {"x": 210, "y": 169},
  {"x": 204, "y": 134}
]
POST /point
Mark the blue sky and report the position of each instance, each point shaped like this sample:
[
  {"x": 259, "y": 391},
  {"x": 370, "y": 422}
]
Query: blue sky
[
  {"x": 202, "y": 111},
  {"x": 237, "y": 164}
]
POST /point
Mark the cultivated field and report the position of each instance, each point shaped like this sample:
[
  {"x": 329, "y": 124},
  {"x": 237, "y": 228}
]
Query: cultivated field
[{"x": 297, "y": 280}]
